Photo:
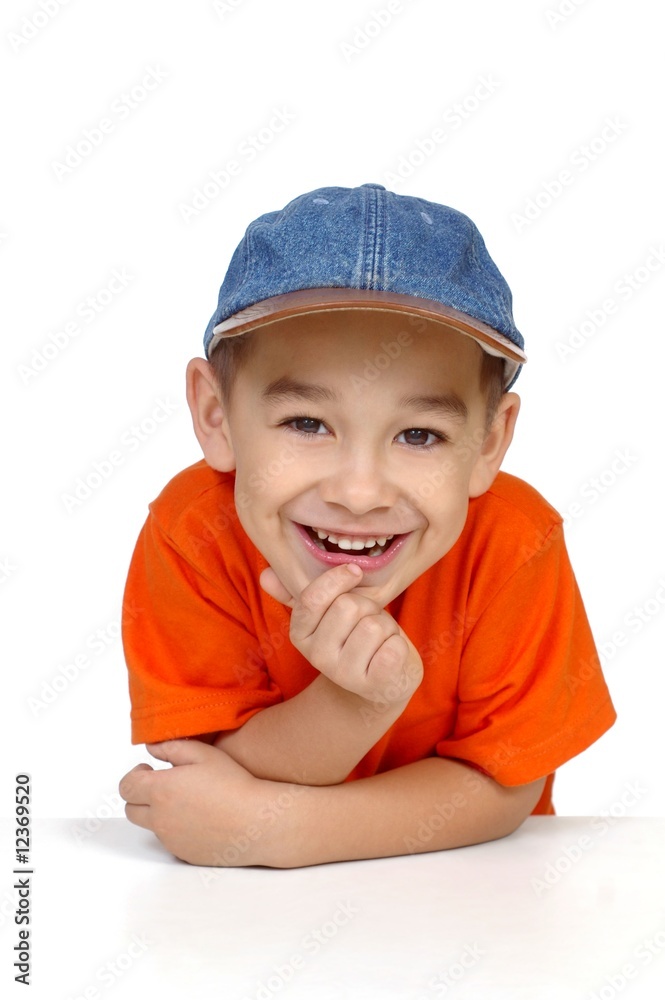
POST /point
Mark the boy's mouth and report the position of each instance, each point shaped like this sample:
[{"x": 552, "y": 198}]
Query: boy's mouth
[
  {"x": 370, "y": 545},
  {"x": 375, "y": 555}
]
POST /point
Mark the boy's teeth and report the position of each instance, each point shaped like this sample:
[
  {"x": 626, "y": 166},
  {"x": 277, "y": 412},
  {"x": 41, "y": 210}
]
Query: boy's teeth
[
  {"x": 353, "y": 544},
  {"x": 368, "y": 546}
]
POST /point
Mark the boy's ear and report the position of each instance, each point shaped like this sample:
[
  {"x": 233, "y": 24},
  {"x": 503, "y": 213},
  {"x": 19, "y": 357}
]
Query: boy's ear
[
  {"x": 209, "y": 416},
  {"x": 495, "y": 445}
]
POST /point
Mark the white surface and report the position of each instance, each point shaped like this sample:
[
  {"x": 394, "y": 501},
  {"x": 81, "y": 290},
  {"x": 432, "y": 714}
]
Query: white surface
[
  {"x": 389, "y": 929},
  {"x": 227, "y": 66}
]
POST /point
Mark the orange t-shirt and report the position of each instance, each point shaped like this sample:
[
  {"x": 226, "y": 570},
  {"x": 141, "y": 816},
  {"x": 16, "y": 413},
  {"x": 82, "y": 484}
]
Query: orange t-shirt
[{"x": 512, "y": 682}]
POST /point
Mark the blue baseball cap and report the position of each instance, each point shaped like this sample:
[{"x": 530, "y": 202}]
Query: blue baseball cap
[{"x": 368, "y": 248}]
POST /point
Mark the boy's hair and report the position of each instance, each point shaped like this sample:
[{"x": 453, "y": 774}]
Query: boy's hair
[
  {"x": 226, "y": 361},
  {"x": 491, "y": 383},
  {"x": 233, "y": 352}
]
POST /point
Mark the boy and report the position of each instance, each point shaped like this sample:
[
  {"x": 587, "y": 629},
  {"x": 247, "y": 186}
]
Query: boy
[{"x": 353, "y": 636}]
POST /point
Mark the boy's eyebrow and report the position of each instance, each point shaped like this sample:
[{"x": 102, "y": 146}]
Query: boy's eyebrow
[
  {"x": 289, "y": 388},
  {"x": 446, "y": 404}
]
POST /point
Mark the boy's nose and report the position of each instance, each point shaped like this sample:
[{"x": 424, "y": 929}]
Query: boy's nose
[{"x": 359, "y": 485}]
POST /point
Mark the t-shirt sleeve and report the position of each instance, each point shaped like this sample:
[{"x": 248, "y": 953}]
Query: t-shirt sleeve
[
  {"x": 191, "y": 650},
  {"x": 531, "y": 690}
]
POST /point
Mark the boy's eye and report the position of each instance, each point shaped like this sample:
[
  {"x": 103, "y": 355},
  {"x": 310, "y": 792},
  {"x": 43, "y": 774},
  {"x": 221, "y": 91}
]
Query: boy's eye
[
  {"x": 420, "y": 436},
  {"x": 307, "y": 425}
]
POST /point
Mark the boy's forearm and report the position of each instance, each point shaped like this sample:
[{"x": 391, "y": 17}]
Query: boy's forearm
[
  {"x": 315, "y": 738},
  {"x": 430, "y": 805}
]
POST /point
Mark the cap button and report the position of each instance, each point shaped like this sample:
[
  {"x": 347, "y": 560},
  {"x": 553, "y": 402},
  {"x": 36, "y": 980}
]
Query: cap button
[{"x": 379, "y": 187}]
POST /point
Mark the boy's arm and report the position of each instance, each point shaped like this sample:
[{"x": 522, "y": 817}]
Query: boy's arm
[
  {"x": 368, "y": 671},
  {"x": 208, "y": 810},
  {"x": 315, "y": 738},
  {"x": 430, "y": 805}
]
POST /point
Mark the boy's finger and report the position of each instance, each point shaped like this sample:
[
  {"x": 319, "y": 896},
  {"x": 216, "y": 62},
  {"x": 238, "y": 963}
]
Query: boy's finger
[
  {"x": 272, "y": 585},
  {"x": 363, "y": 643},
  {"x": 176, "y": 752},
  {"x": 129, "y": 785},
  {"x": 139, "y": 815},
  {"x": 318, "y": 595}
]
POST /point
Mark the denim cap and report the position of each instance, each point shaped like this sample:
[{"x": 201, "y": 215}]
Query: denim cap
[{"x": 368, "y": 248}]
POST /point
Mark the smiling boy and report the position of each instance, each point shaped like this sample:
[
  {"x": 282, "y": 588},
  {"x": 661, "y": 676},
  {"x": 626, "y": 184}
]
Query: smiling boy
[{"x": 371, "y": 637}]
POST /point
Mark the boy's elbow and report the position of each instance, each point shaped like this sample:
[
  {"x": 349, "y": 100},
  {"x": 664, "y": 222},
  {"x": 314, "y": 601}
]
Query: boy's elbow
[
  {"x": 501, "y": 812},
  {"x": 522, "y": 800}
]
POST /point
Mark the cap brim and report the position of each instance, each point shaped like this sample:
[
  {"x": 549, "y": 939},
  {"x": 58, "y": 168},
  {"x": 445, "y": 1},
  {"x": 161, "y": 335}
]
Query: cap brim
[{"x": 317, "y": 300}]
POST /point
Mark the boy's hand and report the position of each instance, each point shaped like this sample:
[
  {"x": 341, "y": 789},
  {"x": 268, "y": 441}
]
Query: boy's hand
[
  {"x": 348, "y": 637},
  {"x": 207, "y": 809}
]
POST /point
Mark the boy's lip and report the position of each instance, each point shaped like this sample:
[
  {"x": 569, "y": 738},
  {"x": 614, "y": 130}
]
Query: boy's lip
[{"x": 366, "y": 563}]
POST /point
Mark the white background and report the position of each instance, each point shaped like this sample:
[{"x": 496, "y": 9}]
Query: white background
[{"x": 360, "y": 106}]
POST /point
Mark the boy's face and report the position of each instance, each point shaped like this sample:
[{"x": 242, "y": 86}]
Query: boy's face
[{"x": 333, "y": 424}]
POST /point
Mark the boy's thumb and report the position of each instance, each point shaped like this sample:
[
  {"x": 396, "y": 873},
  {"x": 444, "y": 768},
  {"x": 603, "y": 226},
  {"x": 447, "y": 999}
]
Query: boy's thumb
[
  {"x": 177, "y": 751},
  {"x": 272, "y": 585}
]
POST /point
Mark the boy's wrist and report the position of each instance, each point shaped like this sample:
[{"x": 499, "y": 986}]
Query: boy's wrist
[
  {"x": 392, "y": 697},
  {"x": 366, "y": 719},
  {"x": 276, "y": 831}
]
